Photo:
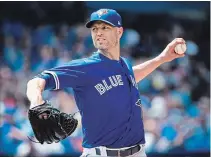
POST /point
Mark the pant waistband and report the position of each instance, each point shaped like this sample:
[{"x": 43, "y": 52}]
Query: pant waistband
[{"x": 123, "y": 152}]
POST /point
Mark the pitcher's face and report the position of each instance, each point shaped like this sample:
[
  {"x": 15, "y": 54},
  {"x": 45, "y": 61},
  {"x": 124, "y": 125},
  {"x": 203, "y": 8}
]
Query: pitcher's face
[{"x": 104, "y": 36}]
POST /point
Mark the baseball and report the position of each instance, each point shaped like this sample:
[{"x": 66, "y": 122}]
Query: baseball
[{"x": 180, "y": 48}]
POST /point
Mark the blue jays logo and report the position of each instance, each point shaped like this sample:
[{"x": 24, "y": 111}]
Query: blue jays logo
[
  {"x": 138, "y": 103},
  {"x": 102, "y": 12}
]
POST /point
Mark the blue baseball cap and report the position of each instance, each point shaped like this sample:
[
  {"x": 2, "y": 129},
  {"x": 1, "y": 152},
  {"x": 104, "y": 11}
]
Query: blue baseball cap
[{"x": 108, "y": 16}]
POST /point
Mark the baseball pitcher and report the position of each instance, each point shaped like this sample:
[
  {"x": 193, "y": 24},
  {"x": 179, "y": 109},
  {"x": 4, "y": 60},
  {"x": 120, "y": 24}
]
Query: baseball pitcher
[{"x": 106, "y": 94}]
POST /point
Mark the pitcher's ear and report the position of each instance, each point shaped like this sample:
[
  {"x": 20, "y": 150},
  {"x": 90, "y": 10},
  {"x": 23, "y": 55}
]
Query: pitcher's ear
[{"x": 120, "y": 31}]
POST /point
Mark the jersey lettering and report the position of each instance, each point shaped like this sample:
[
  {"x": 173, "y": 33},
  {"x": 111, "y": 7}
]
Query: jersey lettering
[
  {"x": 133, "y": 81},
  {"x": 114, "y": 81},
  {"x": 100, "y": 88}
]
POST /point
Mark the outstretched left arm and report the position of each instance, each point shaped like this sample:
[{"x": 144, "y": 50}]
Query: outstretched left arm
[{"x": 168, "y": 54}]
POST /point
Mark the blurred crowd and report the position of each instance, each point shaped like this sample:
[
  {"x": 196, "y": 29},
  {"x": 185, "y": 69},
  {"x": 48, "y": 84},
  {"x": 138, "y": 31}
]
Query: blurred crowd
[{"x": 175, "y": 97}]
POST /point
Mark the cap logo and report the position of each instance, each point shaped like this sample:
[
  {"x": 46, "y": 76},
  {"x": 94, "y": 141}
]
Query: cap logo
[
  {"x": 102, "y": 12},
  {"x": 119, "y": 23}
]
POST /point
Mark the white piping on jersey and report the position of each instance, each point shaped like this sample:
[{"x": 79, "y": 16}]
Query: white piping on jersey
[{"x": 56, "y": 79}]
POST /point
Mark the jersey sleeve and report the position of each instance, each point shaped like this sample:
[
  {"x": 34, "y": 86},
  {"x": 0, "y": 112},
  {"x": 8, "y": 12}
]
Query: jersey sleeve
[{"x": 69, "y": 75}]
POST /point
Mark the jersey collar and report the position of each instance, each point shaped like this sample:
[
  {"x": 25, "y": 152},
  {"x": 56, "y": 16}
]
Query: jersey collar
[{"x": 105, "y": 58}]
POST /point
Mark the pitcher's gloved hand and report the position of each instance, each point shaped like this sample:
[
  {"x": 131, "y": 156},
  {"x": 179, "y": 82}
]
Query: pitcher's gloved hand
[{"x": 49, "y": 124}]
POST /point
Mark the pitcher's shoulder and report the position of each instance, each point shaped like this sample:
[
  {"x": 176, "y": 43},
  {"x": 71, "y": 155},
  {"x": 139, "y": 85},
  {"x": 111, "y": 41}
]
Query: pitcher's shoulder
[
  {"x": 83, "y": 61},
  {"x": 93, "y": 59}
]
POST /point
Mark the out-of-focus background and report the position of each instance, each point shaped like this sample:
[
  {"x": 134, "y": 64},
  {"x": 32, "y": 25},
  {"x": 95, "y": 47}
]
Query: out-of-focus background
[{"x": 176, "y": 97}]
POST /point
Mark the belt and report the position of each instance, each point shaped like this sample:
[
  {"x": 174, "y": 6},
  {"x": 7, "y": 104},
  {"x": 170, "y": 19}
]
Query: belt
[{"x": 120, "y": 152}]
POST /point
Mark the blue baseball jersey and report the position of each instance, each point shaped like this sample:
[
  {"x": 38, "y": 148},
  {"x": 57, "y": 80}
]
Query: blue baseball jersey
[{"x": 106, "y": 95}]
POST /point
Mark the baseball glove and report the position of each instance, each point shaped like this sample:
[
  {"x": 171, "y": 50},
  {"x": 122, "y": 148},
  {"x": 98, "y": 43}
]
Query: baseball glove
[{"x": 49, "y": 124}]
